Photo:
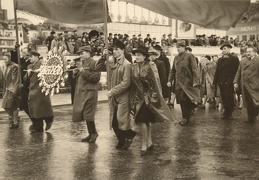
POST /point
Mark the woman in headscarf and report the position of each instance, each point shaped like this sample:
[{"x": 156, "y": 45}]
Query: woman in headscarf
[{"x": 146, "y": 98}]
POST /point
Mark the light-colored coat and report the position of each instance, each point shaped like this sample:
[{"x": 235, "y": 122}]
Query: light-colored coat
[
  {"x": 86, "y": 92},
  {"x": 248, "y": 77},
  {"x": 39, "y": 104},
  {"x": 120, "y": 73},
  {"x": 11, "y": 82}
]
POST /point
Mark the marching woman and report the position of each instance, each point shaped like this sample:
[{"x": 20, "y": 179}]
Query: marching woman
[{"x": 146, "y": 98}]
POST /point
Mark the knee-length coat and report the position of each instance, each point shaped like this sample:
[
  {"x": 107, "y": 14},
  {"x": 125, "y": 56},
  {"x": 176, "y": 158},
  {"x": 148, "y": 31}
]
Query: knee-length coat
[
  {"x": 120, "y": 73},
  {"x": 248, "y": 77},
  {"x": 86, "y": 92},
  {"x": 39, "y": 104}
]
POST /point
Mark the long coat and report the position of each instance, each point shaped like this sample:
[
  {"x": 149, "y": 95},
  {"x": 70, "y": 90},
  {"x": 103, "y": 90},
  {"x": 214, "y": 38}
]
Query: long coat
[
  {"x": 120, "y": 73},
  {"x": 11, "y": 82},
  {"x": 210, "y": 72},
  {"x": 86, "y": 92},
  {"x": 146, "y": 88},
  {"x": 39, "y": 104},
  {"x": 164, "y": 59},
  {"x": 162, "y": 76},
  {"x": 248, "y": 77},
  {"x": 185, "y": 74}
]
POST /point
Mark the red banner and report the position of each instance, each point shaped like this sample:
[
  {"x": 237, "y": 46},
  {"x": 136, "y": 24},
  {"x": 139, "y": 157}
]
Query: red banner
[
  {"x": 66, "y": 11},
  {"x": 216, "y": 14}
]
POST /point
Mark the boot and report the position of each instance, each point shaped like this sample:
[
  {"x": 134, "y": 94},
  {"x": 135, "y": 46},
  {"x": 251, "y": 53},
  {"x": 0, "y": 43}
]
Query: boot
[
  {"x": 92, "y": 132},
  {"x": 86, "y": 139}
]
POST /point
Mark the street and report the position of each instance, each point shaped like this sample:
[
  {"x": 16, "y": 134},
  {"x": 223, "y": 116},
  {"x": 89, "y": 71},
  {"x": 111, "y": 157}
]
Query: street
[{"x": 208, "y": 148}]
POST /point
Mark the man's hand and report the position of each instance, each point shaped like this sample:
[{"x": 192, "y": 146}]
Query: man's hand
[
  {"x": 195, "y": 85},
  {"x": 236, "y": 87},
  {"x": 169, "y": 84},
  {"x": 29, "y": 71},
  {"x": 109, "y": 94}
]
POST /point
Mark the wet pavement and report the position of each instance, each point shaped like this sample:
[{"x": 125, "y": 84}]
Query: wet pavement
[{"x": 209, "y": 148}]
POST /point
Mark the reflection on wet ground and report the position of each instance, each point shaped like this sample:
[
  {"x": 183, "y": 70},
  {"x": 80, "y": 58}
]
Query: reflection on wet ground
[{"x": 209, "y": 148}]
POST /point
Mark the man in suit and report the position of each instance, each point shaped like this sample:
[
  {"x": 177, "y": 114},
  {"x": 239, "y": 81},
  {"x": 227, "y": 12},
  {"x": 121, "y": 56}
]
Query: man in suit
[
  {"x": 184, "y": 73},
  {"x": 224, "y": 75},
  {"x": 247, "y": 77}
]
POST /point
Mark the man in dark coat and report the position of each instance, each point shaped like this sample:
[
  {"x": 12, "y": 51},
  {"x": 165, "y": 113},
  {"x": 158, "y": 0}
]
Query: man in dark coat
[
  {"x": 152, "y": 53},
  {"x": 185, "y": 75},
  {"x": 165, "y": 60},
  {"x": 225, "y": 73},
  {"x": 49, "y": 39},
  {"x": 39, "y": 104},
  {"x": 86, "y": 92},
  {"x": 26, "y": 83},
  {"x": 247, "y": 77}
]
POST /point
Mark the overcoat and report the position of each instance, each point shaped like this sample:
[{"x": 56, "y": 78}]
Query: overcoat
[
  {"x": 146, "y": 88},
  {"x": 210, "y": 72},
  {"x": 120, "y": 72},
  {"x": 11, "y": 82},
  {"x": 248, "y": 77},
  {"x": 86, "y": 92},
  {"x": 166, "y": 90},
  {"x": 39, "y": 104},
  {"x": 185, "y": 73},
  {"x": 162, "y": 76}
]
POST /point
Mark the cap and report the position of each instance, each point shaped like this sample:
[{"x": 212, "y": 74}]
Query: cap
[
  {"x": 225, "y": 44},
  {"x": 152, "y": 51},
  {"x": 141, "y": 49},
  {"x": 34, "y": 53},
  {"x": 188, "y": 49},
  {"x": 118, "y": 44},
  {"x": 84, "y": 48},
  {"x": 52, "y": 32},
  {"x": 181, "y": 43}
]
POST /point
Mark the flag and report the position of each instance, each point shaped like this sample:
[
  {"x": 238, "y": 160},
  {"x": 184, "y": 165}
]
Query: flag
[
  {"x": 65, "y": 11},
  {"x": 216, "y": 14}
]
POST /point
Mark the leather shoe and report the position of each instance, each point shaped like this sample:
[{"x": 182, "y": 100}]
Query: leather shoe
[
  {"x": 48, "y": 126},
  {"x": 151, "y": 147},
  {"x": 93, "y": 138},
  {"x": 14, "y": 126},
  {"x": 127, "y": 144},
  {"x": 184, "y": 122},
  {"x": 120, "y": 144},
  {"x": 86, "y": 139}
]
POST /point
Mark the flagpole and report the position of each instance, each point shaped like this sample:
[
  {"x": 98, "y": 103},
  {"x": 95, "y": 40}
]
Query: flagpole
[
  {"x": 105, "y": 15},
  {"x": 17, "y": 46}
]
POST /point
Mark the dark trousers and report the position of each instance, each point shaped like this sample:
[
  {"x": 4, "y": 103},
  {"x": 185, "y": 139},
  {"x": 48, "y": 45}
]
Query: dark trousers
[
  {"x": 121, "y": 134},
  {"x": 38, "y": 122},
  {"x": 24, "y": 102},
  {"x": 91, "y": 127},
  {"x": 186, "y": 107},
  {"x": 252, "y": 110},
  {"x": 227, "y": 96}
]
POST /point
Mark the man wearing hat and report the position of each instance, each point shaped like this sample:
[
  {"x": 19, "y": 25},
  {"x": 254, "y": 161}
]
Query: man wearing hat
[
  {"x": 184, "y": 73},
  {"x": 118, "y": 94},
  {"x": 224, "y": 75},
  {"x": 49, "y": 39},
  {"x": 86, "y": 92},
  {"x": 39, "y": 104},
  {"x": 153, "y": 54},
  {"x": 165, "y": 60}
]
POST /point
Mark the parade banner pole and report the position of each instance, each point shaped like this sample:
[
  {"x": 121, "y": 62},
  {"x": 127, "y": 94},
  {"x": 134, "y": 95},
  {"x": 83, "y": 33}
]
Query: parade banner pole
[
  {"x": 17, "y": 46},
  {"x": 105, "y": 15}
]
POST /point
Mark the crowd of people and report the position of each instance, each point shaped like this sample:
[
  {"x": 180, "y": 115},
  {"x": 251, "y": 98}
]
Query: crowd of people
[
  {"x": 142, "y": 88},
  {"x": 96, "y": 40}
]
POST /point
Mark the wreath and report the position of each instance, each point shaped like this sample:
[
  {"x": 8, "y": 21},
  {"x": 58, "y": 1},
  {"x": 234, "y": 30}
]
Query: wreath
[{"x": 51, "y": 74}]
